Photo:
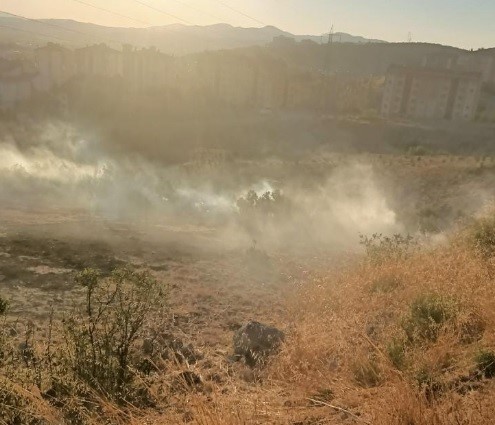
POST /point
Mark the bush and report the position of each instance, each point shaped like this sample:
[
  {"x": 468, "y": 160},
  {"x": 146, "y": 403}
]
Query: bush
[
  {"x": 485, "y": 363},
  {"x": 483, "y": 236},
  {"x": 429, "y": 383},
  {"x": 4, "y": 305},
  {"x": 396, "y": 351},
  {"x": 428, "y": 315},
  {"x": 381, "y": 248},
  {"x": 102, "y": 338},
  {"x": 16, "y": 408}
]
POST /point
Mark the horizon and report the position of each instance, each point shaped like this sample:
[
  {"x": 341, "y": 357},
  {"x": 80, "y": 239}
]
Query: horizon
[{"x": 401, "y": 22}]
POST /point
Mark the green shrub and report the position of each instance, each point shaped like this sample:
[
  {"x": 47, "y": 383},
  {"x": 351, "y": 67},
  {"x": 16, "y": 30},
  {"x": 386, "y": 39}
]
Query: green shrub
[
  {"x": 396, "y": 351},
  {"x": 485, "y": 363},
  {"x": 101, "y": 338},
  {"x": 429, "y": 383},
  {"x": 428, "y": 315}
]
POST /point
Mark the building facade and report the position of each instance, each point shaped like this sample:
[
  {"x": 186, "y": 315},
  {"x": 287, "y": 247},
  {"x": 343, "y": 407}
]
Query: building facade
[
  {"x": 16, "y": 82},
  {"x": 431, "y": 94},
  {"x": 55, "y": 66}
]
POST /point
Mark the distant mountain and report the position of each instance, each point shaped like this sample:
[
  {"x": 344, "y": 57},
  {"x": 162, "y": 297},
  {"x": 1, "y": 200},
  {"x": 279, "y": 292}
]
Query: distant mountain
[{"x": 174, "y": 39}]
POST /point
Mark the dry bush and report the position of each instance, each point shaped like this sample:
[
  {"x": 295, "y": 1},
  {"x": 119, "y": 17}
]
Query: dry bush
[{"x": 102, "y": 338}]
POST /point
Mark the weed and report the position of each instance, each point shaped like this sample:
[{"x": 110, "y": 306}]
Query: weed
[
  {"x": 428, "y": 383},
  {"x": 428, "y": 315},
  {"x": 485, "y": 363},
  {"x": 396, "y": 351},
  {"x": 381, "y": 248},
  {"x": 483, "y": 236}
]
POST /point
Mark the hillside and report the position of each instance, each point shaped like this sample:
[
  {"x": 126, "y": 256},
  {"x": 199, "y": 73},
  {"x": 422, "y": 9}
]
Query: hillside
[
  {"x": 354, "y": 58},
  {"x": 171, "y": 39},
  {"x": 401, "y": 334}
]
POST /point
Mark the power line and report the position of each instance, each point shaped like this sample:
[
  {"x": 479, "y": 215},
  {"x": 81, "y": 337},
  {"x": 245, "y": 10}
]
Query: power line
[
  {"x": 33, "y": 32},
  {"x": 41, "y": 22},
  {"x": 149, "y": 6},
  {"x": 199, "y": 10},
  {"x": 241, "y": 13},
  {"x": 112, "y": 12}
]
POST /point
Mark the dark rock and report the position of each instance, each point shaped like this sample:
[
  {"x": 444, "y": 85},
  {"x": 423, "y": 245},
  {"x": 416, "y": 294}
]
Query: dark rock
[{"x": 256, "y": 341}]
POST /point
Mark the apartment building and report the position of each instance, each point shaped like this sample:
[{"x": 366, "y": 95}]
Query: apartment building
[{"x": 431, "y": 93}]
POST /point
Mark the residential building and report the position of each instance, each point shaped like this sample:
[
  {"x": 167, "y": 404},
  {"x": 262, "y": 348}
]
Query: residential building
[
  {"x": 98, "y": 60},
  {"x": 427, "y": 93},
  {"x": 55, "y": 66},
  {"x": 16, "y": 82},
  {"x": 146, "y": 68}
]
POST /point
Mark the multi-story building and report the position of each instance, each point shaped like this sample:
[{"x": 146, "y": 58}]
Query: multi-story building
[
  {"x": 16, "y": 82},
  {"x": 98, "y": 60},
  {"x": 241, "y": 80},
  {"x": 481, "y": 61},
  {"x": 55, "y": 66},
  {"x": 427, "y": 93},
  {"x": 146, "y": 68}
]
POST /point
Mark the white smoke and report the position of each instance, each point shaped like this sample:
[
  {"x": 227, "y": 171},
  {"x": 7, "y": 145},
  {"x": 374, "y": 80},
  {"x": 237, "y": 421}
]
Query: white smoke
[{"x": 65, "y": 169}]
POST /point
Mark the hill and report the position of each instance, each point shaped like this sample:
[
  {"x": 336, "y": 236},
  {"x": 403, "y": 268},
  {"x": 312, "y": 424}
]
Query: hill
[{"x": 171, "y": 39}]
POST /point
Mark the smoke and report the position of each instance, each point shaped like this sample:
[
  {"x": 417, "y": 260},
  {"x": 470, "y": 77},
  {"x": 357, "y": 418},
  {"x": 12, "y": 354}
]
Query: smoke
[{"x": 64, "y": 168}]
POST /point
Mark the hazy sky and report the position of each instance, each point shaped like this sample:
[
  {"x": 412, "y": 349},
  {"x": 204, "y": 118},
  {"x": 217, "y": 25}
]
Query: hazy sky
[{"x": 464, "y": 23}]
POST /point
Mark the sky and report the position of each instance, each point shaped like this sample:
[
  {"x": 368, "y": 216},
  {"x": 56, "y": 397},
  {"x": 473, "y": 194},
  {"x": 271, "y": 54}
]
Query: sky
[{"x": 462, "y": 23}]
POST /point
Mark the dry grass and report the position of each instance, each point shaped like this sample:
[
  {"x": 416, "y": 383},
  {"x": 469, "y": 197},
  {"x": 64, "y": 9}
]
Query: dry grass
[
  {"x": 388, "y": 342},
  {"x": 338, "y": 355}
]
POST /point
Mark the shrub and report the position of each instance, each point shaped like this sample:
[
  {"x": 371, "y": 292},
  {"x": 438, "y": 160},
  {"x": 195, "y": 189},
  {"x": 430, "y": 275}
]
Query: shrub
[
  {"x": 16, "y": 408},
  {"x": 428, "y": 315},
  {"x": 381, "y": 248},
  {"x": 429, "y": 383},
  {"x": 396, "y": 351},
  {"x": 483, "y": 236},
  {"x": 4, "y": 305},
  {"x": 485, "y": 363},
  {"x": 102, "y": 338}
]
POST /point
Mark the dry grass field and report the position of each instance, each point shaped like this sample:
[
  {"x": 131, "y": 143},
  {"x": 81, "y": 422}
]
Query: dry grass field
[{"x": 396, "y": 332}]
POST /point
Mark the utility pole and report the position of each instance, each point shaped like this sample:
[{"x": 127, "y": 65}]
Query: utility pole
[
  {"x": 326, "y": 70},
  {"x": 330, "y": 36}
]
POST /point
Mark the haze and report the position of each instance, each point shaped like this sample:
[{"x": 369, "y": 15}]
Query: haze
[{"x": 467, "y": 24}]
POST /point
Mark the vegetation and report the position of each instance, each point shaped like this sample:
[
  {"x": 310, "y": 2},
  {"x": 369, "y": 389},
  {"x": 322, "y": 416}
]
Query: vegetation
[
  {"x": 428, "y": 315},
  {"x": 403, "y": 339},
  {"x": 382, "y": 248},
  {"x": 101, "y": 340}
]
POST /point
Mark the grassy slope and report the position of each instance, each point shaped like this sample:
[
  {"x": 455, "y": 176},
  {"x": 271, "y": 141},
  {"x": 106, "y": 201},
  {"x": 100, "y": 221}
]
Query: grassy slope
[{"x": 341, "y": 329}]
